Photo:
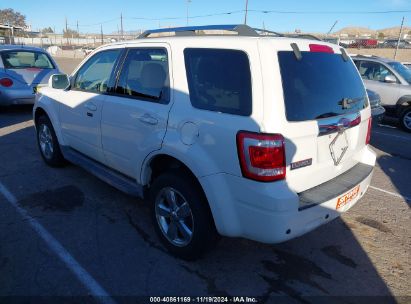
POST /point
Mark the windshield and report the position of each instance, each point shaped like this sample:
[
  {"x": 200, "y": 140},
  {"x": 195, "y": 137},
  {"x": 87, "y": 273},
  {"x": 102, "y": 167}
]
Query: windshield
[
  {"x": 320, "y": 85},
  {"x": 402, "y": 70},
  {"x": 25, "y": 60}
]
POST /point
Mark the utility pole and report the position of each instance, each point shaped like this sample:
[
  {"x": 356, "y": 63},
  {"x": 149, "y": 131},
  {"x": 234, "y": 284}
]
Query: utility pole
[
  {"x": 102, "y": 37},
  {"x": 78, "y": 35},
  {"x": 66, "y": 32},
  {"x": 121, "y": 27},
  {"x": 246, "y": 12},
  {"x": 399, "y": 38},
  {"x": 188, "y": 3}
]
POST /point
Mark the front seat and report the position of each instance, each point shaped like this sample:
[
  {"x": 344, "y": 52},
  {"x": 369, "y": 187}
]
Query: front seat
[{"x": 152, "y": 79}]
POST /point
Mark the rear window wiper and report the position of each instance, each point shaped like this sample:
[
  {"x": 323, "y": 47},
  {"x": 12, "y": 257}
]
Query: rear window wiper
[
  {"x": 326, "y": 115},
  {"x": 346, "y": 103}
]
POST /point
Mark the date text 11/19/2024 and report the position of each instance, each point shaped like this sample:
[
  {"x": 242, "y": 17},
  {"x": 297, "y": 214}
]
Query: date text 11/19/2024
[{"x": 203, "y": 300}]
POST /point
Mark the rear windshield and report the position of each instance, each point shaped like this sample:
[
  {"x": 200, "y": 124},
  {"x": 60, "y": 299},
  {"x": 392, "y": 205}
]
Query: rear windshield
[
  {"x": 320, "y": 85},
  {"x": 26, "y": 59}
]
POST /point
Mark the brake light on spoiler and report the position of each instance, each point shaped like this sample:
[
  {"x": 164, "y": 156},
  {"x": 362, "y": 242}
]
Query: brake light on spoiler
[
  {"x": 262, "y": 156},
  {"x": 320, "y": 48}
]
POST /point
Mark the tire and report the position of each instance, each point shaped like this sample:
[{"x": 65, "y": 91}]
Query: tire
[
  {"x": 405, "y": 119},
  {"x": 168, "y": 213},
  {"x": 47, "y": 143}
]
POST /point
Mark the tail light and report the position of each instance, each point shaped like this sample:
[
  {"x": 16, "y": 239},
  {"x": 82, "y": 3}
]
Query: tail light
[
  {"x": 368, "y": 138},
  {"x": 262, "y": 156},
  {"x": 6, "y": 82},
  {"x": 321, "y": 48}
]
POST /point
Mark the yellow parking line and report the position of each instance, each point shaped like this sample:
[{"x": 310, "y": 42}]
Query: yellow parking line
[{"x": 16, "y": 127}]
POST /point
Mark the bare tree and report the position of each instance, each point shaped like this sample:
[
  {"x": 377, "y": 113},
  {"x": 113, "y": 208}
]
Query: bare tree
[
  {"x": 47, "y": 30},
  {"x": 11, "y": 17},
  {"x": 69, "y": 33}
]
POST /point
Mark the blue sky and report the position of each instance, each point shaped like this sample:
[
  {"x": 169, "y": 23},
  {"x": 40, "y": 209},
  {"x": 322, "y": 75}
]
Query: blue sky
[{"x": 43, "y": 13}]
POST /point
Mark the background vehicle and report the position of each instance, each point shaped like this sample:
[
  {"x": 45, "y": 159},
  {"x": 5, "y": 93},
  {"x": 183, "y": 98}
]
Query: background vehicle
[
  {"x": 179, "y": 120},
  {"x": 22, "y": 71},
  {"x": 364, "y": 43},
  {"x": 391, "y": 80},
  {"x": 407, "y": 64},
  {"x": 377, "y": 111},
  {"x": 392, "y": 43}
]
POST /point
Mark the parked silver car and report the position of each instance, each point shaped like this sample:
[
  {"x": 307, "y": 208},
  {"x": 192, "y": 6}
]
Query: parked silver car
[
  {"x": 22, "y": 71},
  {"x": 392, "y": 81}
]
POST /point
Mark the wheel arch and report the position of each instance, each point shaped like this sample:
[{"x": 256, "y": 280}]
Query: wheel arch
[
  {"x": 42, "y": 109},
  {"x": 403, "y": 103},
  {"x": 162, "y": 162}
]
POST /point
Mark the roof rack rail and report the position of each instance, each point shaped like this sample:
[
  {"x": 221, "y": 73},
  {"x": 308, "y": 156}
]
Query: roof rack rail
[
  {"x": 240, "y": 29},
  {"x": 303, "y": 36}
]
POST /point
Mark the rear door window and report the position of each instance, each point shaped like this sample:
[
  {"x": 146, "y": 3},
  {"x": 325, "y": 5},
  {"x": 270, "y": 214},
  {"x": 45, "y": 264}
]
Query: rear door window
[
  {"x": 25, "y": 59},
  {"x": 219, "y": 80},
  {"x": 145, "y": 76},
  {"x": 320, "y": 85}
]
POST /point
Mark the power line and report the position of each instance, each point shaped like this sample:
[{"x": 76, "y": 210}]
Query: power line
[
  {"x": 248, "y": 11},
  {"x": 330, "y": 12}
]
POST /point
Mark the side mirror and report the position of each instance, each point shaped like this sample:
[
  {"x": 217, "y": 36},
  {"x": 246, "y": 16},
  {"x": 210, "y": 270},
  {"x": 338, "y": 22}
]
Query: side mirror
[
  {"x": 390, "y": 79},
  {"x": 59, "y": 81}
]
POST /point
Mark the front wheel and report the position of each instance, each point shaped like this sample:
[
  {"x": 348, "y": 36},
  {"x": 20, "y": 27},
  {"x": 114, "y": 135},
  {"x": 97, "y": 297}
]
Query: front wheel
[
  {"x": 181, "y": 216},
  {"x": 406, "y": 119},
  {"x": 47, "y": 142}
]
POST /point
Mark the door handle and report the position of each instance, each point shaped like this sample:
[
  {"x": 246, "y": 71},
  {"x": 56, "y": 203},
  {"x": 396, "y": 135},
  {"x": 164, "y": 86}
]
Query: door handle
[
  {"x": 148, "y": 119},
  {"x": 91, "y": 106}
]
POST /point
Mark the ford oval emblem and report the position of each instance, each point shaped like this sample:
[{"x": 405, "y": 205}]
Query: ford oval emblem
[{"x": 344, "y": 123}]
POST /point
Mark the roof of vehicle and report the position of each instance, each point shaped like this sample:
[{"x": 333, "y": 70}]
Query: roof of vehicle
[
  {"x": 214, "y": 40},
  {"x": 7, "y": 47},
  {"x": 372, "y": 57},
  {"x": 208, "y": 36}
]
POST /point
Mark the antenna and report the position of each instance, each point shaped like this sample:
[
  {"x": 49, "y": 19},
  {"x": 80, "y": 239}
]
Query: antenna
[{"x": 329, "y": 32}]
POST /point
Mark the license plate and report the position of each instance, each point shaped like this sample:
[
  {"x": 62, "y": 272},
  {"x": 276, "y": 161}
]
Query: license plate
[
  {"x": 348, "y": 197},
  {"x": 338, "y": 147}
]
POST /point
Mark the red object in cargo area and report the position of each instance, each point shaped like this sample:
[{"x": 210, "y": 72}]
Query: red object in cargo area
[{"x": 365, "y": 43}]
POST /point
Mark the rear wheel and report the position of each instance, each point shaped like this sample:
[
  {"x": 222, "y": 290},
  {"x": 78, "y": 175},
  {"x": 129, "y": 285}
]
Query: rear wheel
[
  {"x": 47, "y": 142},
  {"x": 181, "y": 216},
  {"x": 405, "y": 119}
]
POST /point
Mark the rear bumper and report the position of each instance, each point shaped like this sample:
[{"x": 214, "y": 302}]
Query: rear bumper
[
  {"x": 271, "y": 212},
  {"x": 15, "y": 97}
]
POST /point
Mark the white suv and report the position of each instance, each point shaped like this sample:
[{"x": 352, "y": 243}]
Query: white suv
[{"x": 256, "y": 136}]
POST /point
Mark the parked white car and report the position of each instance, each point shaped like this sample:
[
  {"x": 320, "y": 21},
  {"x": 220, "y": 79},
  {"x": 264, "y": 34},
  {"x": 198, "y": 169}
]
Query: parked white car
[{"x": 261, "y": 137}]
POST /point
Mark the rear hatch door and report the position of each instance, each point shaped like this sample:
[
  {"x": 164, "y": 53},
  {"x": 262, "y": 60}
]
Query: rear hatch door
[{"x": 321, "y": 108}]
